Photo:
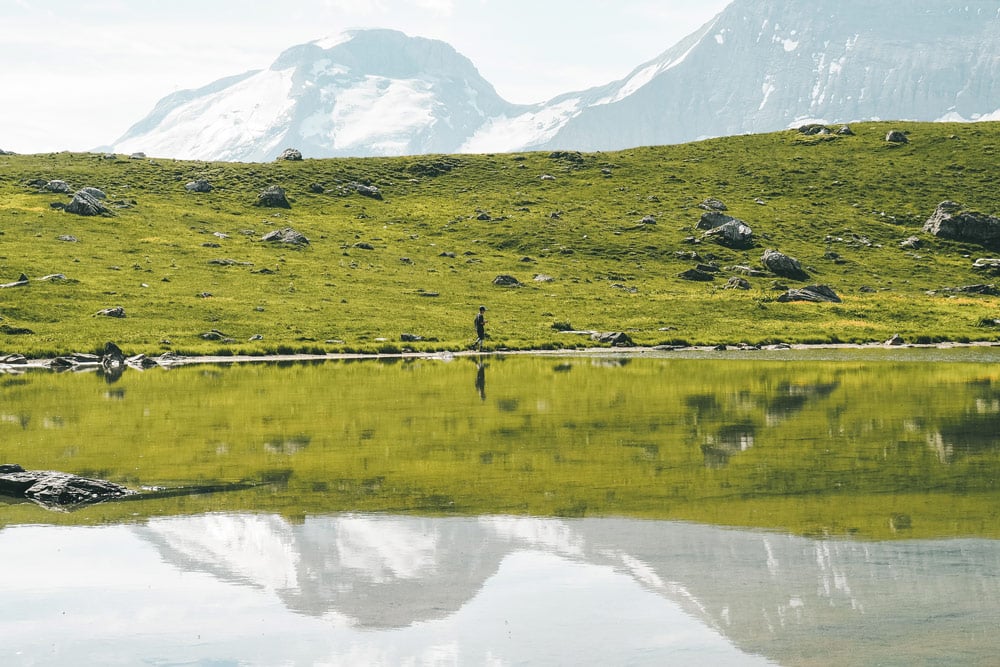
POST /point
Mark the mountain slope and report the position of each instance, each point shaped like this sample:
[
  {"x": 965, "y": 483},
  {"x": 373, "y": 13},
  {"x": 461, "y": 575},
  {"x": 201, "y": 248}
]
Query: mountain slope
[
  {"x": 765, "y": 65},
  {"x": 374, "y": 92},
  {"x": 759, "y": 66}
]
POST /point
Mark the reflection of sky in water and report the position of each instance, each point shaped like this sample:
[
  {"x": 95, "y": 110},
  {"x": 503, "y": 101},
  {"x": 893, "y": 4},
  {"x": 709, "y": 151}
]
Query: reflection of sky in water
[
  {"x": 373, "y": 589},
  {"x": 106, "y": 596}
]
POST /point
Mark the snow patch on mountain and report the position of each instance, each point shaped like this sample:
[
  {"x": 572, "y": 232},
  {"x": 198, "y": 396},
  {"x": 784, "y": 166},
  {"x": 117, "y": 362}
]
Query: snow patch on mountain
[
  {"x": 527, "y": 129},
  {"x": 218, "y": 126},
  {"x": 376, "y": 113}
]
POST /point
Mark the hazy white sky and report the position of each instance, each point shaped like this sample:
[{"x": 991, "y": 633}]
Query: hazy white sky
[{"x": 76, "y": 75}]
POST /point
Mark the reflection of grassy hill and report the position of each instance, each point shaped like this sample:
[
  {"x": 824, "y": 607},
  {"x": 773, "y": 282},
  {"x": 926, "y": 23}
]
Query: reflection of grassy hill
[
  {"x": 850, "y": 447},
  {"x": 420, "y": 259}
]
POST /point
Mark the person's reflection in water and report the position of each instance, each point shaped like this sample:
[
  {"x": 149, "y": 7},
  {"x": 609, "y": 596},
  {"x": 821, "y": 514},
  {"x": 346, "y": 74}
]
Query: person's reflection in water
[{"x": 481, "y": 379}]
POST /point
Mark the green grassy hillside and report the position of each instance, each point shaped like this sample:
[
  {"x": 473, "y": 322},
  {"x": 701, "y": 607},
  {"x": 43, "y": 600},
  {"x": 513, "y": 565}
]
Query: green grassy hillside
[{"x": 420, "y": 260}]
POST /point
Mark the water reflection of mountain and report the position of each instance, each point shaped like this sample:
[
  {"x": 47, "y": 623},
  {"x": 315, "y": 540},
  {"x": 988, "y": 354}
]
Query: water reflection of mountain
[{"x": 789, "y": 598}]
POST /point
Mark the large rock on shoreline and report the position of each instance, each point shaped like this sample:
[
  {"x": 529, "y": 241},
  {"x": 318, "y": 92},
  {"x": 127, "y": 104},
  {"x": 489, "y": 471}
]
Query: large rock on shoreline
[{"x": 52, "y": 488}]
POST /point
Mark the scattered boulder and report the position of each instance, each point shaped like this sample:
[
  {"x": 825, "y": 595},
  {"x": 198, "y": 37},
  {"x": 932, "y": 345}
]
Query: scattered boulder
[
  {"x": 747, "y": 271},
  {"x": 506, "y": 281},
  {"x": 895, "y": 341},
  {"x": 363, "y": 189},
  {"x": 68, "y": 238},
  {"x": 713, "y": 204},
  {"x": 648, "y": 220},
  {"x": 813, "y": 129},
  {"x": 951, "y": 221},
  {"x": 272, "y": 197},
  {"x": 813, "y": 293},
  {"x": 845, "y": 131},
  {"x": 74, "y": 360},
  {"x": 226, "y": 261},
  {"x": 117, "y": 311},
  {"x": 547, "y": 177},
  {"x": 734, "y": 234},
  {"x": 911, "y": 243},
  {"x": 316, "y": 188},
  {"x": 286, "y": 235},
  {"x": 897, "y": 137},
  {"x": 574, "y": 157},
  {"x": 615, "y": 338},
  {"x": 137, "y": 156},
  {"x": 200, "y": 185},
  {"x": 56, "y": 489},
  {"x": 738, "y": 283},
  {"x": 215, "y": 334},
  {"x": 410, "y": 338},
  {"x": 291, "y": 154},
  {"x": 57, "y": 186},
  {"x": 84, "y": 203},
  {"x": 986, "y": 290},
  {"x": 696, "y": 275},
  {"x": 783, "y": 265},
  {"x": 713, "y": 219},
  {"x": 96, "y": 193},
  {"x": 113, "y": 360}
]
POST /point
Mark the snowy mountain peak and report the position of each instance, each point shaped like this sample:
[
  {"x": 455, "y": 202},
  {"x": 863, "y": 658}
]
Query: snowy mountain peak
[
  {"x": 759, "y": 66},
  {"x": 368, "y": 92}
]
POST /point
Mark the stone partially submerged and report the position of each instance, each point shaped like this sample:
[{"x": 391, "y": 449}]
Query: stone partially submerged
[{"x": 56, "y": 489}]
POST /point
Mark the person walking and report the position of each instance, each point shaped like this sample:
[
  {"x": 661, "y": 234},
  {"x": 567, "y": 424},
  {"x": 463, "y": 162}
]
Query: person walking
[{"x": 480, "y": 323}]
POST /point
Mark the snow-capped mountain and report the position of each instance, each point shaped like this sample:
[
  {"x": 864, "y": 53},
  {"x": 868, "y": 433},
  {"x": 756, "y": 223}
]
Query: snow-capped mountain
[
  {"x": 759, "y": 66},
  {"x": 367, "y": 92},
  {"x": 766, "y": 65}
]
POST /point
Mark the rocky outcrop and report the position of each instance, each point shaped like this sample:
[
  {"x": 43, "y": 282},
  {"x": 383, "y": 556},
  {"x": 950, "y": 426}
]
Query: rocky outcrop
[
  {"x": 506, "y": 281},
  {"x": 286, "y": 235},
  {"x": 813, "y": 293},
  {"x": 291, "y": 154},
  {"x": 615, "y": 338},
  {"x": 783, "y": 265},
  {"x": 897, "y": 137},
  {"x": 57, "y": 186},
  {"x": 200, "y": 185},
  {"x": 951, "y": 221},
  {"x": 85, "y": 203},
  {"x": 56, "y": 489},
  {"x": 272, "y": 197},
  {"x": 713, "y": 204},
  {"x": 734, "y": 234}
]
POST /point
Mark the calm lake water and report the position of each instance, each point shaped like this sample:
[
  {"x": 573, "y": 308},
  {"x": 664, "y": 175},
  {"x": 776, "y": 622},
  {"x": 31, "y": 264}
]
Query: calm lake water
[{"x": 792, "y": 508}]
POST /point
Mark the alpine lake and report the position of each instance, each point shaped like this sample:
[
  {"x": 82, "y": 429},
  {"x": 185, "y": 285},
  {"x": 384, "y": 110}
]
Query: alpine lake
[{"x": 794, "y": 507}]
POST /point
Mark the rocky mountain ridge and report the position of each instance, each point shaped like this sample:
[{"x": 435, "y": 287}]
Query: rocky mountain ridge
[{"x": 759, "y": 66}]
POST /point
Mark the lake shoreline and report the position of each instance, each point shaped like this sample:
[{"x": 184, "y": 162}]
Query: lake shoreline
[{"x": 630, "y": 352}]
